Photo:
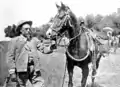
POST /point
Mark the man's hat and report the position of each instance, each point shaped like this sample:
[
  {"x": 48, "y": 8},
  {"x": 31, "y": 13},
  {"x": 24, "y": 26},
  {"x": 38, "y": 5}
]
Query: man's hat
[{"x": 21, "y": 23}]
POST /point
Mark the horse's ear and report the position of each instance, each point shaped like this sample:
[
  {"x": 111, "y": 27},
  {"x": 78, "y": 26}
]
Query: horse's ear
[
  {"x": 57, "y": 6},
  {"x": 62, "y": 5}
]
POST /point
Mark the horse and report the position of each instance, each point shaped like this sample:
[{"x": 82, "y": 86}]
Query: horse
[{"x": 81, "y": 49}]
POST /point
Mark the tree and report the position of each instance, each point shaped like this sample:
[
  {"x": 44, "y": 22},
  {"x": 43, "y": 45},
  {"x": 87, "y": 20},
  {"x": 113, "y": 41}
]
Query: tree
[
  {"x": 98, "y": 18},
  {"x": 116, "y": 22},
  {"x": 10, "y": 31},
  {"x": 90, "y": 20},
  {"x": 40, "y": 32}
]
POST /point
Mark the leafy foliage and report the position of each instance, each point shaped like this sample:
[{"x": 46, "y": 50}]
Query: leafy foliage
[
  {"x": 40, "y": 32},
  {"x": 97, "y": 22},
  {"x": 90, "y": 21},
  {"x": 10, "y": 31}
]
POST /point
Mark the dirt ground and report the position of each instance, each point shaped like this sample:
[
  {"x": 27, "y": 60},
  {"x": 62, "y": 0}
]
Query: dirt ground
[{"x": 108, "y": 74}]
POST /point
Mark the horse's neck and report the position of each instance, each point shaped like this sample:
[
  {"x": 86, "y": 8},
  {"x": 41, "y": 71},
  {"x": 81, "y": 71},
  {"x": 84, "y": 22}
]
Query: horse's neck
[
  {"x": 75, "y": 37},
  {"x": 73, "y": 32},
  {"x": 78, "y": 47}
]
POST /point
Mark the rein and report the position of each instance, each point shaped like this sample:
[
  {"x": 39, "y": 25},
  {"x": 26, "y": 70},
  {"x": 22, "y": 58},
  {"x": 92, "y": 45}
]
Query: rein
[
  {"x": 78, "y": 60},
  {"x": 66, "y": 47}
]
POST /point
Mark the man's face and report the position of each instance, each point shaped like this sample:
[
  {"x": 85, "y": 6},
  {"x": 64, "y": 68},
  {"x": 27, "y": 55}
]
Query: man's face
[{"x": 26, "y": 29}]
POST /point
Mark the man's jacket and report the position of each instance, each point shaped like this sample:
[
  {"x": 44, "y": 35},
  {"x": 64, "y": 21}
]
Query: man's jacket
[{"x": 19, "y": 50}]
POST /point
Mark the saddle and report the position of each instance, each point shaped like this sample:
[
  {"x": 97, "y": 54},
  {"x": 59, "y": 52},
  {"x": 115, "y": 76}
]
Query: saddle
[{"x": 91, "y": 45}]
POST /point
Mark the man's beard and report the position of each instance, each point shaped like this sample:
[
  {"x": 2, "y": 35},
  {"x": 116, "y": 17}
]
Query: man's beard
[{"x": 28, "y": 36}]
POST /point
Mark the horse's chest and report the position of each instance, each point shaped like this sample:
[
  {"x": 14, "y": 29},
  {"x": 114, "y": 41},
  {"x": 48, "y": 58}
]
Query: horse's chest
[
  {"x": 78, "y": 53},
  {"x": 83, "y": 45}
]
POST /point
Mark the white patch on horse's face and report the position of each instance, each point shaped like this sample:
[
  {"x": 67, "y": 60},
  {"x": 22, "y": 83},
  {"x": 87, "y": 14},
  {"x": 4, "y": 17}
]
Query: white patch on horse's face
[{"x": 49, "y": 32}]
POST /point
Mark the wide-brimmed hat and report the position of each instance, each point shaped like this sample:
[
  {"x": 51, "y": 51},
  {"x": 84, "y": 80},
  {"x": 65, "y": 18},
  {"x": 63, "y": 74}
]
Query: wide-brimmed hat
[{"x": 21, "y": 23}]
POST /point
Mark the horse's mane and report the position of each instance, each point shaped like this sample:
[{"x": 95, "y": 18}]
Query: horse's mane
[{"x": 74, "y": 20}]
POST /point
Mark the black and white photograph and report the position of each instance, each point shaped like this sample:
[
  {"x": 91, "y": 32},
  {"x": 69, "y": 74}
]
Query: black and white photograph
[{"x": 59, "y": 43}]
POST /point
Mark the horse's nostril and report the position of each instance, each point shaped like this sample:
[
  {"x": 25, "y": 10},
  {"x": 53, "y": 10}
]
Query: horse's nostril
[{"x": 49, "y": 34}]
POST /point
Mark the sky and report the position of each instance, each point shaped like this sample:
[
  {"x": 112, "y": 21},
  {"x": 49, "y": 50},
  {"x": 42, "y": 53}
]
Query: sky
[{"x": 40, "y": 11}]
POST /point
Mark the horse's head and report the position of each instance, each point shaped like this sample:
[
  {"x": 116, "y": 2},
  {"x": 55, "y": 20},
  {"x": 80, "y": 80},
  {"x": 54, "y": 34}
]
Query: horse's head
[{"x": 62, "y": 21}]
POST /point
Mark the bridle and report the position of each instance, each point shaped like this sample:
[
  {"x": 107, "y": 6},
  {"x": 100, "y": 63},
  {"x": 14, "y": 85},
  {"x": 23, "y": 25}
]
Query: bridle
[{"x": 67, "y": 17}]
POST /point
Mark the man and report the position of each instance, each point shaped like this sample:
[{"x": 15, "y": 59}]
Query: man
[{"x": 22, "y": 57}]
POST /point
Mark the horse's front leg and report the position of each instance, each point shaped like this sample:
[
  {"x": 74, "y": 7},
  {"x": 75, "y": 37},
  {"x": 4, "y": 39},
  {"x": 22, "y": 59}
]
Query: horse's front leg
[
  {"x": 70, "y": 68},
  {"x": 94, "y": 67},
  {"x": 85, "y": 72},
  {"x": 115, "y": 47}
]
